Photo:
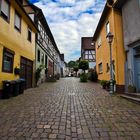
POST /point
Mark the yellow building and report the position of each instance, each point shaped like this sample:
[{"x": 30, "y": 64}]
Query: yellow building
[
  {"x": 110, "y": 21},
  {"x": 17, "y": 43}
]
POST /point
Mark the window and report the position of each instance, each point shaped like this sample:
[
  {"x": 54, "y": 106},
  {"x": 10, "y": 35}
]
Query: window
[
  {"x": 107, "y": 27},
  {"x": 29, "y": 37},
  {"x": 38, "y": 55},
  {"x": 46, "y": 60},
  {"x": 42, "y": 58},
  {"x": 99, "y": 41},
  {"x": 17, "y": 21},
  {"x": 5, "y": 9},
  {"x": 100, "y": 68},
  {"x": 8, "y": 58},
  {"x": 107, "y": 67}
]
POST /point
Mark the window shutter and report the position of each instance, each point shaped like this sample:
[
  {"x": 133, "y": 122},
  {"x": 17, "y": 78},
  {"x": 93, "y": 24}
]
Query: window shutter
[{"x": 5, "y": 8}]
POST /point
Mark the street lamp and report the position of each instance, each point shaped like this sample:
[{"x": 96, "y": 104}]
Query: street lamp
[{"x": 110, "y": 39}]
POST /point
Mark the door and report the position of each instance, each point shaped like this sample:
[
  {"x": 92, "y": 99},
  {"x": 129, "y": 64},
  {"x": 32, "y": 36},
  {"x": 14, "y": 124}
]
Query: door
[
  {"x": 137, "y": 65},
  {"x": 26, "y": 71}
]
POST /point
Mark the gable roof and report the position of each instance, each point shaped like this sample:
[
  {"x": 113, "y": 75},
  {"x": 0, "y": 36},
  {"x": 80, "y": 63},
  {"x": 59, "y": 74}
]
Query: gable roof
[
  {"x": 42, "y": 18},
  {"x": 101, "y": 21}
]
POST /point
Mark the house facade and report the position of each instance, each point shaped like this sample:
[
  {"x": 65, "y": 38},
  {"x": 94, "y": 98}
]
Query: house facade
[
  {"x": 17, "y": 43},
  {"x": 131, "y": 30},
  {"x": 88, "y": 51},
  {"x": 110, "y": 21},
  {"x": 47, "y": 53}
]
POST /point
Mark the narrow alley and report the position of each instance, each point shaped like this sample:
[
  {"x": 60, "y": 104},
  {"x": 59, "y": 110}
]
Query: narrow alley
[{"x": 68, "y": 110}]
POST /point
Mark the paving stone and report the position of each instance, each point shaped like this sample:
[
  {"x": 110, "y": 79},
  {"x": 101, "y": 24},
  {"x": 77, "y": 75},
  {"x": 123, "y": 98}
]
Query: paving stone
[{"x": 68, "y": 110}]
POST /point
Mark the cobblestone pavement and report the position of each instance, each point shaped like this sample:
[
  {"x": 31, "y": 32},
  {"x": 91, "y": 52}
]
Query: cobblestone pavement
[{"x": 68, "y": 110}]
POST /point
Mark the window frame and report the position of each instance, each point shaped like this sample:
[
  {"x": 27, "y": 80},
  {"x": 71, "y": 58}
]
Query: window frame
[
  {"x": 19, "y": 30},
  {"x": 107, "y": 67},
  {"x": 8, "y": 19},
  {"x": 99, "y": 42},
  {"x": 29, "y": 30},
  {"x": 100, "y": 64},
  {"x": 38, "y": 56},
  {"x": 12, "y": 53}
]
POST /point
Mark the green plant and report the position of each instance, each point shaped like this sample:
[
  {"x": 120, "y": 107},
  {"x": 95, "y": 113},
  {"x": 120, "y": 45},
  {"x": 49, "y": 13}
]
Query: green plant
[
  {"x": 131, "y": 89},
  {"x": 83, "y": 77},
  {"x": 51, "y": 79},
  {"x": 38, "y": 73},
  {"x": 57, "y": 76},
  {"x": 104, "y": 83},
  {"x": 92, "y": 75},
  {"x": 84, "y": 65}
]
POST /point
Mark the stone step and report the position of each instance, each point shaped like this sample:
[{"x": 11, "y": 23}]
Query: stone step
[
  {"x": 136, "y": 95},
  {"x": 130, "y": 98}
]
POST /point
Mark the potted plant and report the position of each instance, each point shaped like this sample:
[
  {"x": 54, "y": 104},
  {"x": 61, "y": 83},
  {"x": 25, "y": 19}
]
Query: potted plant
[
  {"x": 103, "y": 83},
  {"x": 83, "y": 77},
  {"x": 131, "y": 89}
]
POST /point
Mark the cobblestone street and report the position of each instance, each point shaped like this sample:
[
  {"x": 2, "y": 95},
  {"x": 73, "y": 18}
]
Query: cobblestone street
[{"x": 68, "y": 110}]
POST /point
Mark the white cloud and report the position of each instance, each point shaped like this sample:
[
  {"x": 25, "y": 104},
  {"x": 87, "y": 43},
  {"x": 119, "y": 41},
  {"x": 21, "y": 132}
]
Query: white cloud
[{"x": 69, "y": 21}]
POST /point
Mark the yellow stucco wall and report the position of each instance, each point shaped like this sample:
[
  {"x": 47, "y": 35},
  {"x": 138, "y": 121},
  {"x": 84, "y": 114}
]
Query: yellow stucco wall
[
  {"x": 15, "y": 41},
  {"x": 103, "y": 53}
]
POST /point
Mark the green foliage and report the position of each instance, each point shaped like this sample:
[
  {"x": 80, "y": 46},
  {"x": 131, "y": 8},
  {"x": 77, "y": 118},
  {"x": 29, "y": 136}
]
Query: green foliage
[
  {"x": 84, "y": 65},
  {"x": 71, "y": 64},
  {"x": 38, "y": 72},
  {"x": 83, "y": 77},
  {"x": 51, "y": 79},
  {"x": 92, "y": 75},
  {"x": 76, "y": 68},
  {"x": 57, "y": 76},
  {"x": 104, "y": 83}
]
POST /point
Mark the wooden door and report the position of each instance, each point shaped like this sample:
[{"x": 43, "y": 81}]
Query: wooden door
[{"x": 26, "y": 71}]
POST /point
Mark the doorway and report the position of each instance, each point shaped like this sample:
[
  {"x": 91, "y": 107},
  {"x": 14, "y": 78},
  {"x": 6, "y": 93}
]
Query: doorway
[{"x": 26, "y": 71}]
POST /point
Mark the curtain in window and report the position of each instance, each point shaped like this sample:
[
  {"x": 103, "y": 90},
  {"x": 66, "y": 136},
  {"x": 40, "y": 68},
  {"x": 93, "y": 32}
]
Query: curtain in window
[{"x": 5, "y": 8}]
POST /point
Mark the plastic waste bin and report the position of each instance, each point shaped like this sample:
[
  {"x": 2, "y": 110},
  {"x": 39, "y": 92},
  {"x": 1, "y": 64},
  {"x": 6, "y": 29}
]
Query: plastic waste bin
[
  {"x": 7, "y": 89},
  {"x": 21, "y": 86},
  {"x": 16, "y": 84}
]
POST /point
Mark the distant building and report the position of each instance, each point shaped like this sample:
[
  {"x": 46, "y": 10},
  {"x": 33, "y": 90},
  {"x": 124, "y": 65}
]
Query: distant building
[
  {"x": 47, "y": 53},
  {"x": 88, "y": 51}
]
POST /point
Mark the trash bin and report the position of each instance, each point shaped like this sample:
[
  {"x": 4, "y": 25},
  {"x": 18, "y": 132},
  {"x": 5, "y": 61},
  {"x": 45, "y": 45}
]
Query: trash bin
[
  {"x": 16, "y": 84},
  {"x": 7, "y": 89},
  {"x": 21, "y": 86}
]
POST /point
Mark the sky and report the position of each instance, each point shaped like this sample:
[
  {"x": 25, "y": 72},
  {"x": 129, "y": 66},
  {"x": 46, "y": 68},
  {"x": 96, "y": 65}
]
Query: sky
[{"x": 69, "y": 20}]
